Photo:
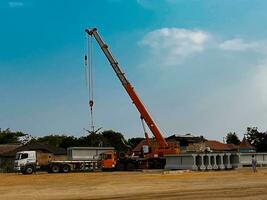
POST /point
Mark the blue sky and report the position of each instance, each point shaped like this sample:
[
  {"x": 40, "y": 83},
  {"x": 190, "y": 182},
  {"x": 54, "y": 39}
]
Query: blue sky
[{"x": 198, "y": 65}]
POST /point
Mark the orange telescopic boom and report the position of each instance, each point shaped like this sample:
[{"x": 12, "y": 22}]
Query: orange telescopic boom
[{"x": 129, "y": 89}]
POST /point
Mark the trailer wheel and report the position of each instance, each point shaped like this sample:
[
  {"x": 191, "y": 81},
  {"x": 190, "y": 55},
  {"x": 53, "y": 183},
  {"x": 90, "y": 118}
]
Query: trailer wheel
[
  {"x": 66, "y": 168},
  {"x": 120, "y": 167},
  {"x": 55, "y": 168},
  {"x": 130, "y": 167},
  {"x": 28, "y": 170}
]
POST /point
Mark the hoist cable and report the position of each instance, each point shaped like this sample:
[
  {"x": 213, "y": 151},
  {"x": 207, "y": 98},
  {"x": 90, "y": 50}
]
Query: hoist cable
[
  {"x": 86, "y": 62},
  {"x": 91, "y": 68},
  {"x": 90, "y": 81},
  {"x": 89, "y": 77}
]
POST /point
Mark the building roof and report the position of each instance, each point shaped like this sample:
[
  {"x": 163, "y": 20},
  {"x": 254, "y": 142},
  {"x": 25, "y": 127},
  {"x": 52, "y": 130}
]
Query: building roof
[
  {"x": 217, "y": 146},
  {"x": 245, "y": 144},
  {"x": 37, "y": 146},
  {"x": 232, "y": 147},
  {"x": 4, "y": 148},
  {"x": 186, "y": 137}
]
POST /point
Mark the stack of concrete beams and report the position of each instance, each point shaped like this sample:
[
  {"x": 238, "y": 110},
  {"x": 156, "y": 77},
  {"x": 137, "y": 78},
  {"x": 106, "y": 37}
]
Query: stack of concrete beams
[
  {"x": 245, "y": 159},
  {"x": 202, "y": 161}
]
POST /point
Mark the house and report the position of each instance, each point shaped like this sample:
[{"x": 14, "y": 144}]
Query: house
[
  {"x": 5, "y": 148},
  {"x": 216, "y": 146},
  {"x": 188, "y": 142},
  {"x": 246, "y": 147}
]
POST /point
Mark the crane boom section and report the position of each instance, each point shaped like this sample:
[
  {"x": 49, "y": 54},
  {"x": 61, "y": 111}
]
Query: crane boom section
[{"x": 129, "y": 89}]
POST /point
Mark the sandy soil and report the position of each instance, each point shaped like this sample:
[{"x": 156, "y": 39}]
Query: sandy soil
[{"x": 236, "y": 184}]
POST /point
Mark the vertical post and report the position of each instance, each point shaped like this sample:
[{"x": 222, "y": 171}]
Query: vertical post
[
  {"x": 222, "y": 164},
  {"x": 229, "y": 166},
  {"x": 215, "y": 166},
  {"x": 202, "y": 166},
  {"x": 209, "y": 166},
  {"x": 194, "y": 166}
]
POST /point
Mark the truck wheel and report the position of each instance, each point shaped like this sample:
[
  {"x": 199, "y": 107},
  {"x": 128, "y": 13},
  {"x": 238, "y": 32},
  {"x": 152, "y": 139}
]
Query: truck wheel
[
  {"x": 120, "y": 167},
  {"x": 29, "y": 170},
  {"x": 66, "y": 168},
  {"x": 55, "y": 168},
  {"x": 130, "y": 167}
]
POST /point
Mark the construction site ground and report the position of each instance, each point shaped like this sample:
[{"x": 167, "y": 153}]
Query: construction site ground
[{"x": 232, "y": 184}]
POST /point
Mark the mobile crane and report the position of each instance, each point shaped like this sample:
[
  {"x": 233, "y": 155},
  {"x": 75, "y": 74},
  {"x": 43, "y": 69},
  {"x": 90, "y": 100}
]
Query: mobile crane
[{"x": 154, "y": 157}]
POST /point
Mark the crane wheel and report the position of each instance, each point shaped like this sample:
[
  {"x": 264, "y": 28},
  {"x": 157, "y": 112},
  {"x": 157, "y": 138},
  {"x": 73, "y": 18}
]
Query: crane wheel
[
  {"x": 130, "y": 167},
  {"x": 158, "y": 165},
  {"x": 122, "y": 155},
  {"x": 120, "y": 167}
]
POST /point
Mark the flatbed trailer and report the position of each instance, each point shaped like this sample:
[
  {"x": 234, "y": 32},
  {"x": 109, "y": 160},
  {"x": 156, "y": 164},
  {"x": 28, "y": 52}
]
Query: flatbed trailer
[{"x": 73, "y": 165}]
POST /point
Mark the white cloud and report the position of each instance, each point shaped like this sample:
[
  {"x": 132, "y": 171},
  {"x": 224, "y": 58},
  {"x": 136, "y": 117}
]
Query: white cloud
[
  {"x": 172, "y": 45},
  {"x": 15, "y": 4},
  {"x": 236, "y": 98},
  {"x": 239, "y": 44}
]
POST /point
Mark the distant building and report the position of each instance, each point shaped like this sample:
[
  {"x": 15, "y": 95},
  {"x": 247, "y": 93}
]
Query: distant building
[
  {"x": 216, "y": 146},
  {"x": 188, "y": 142},
  {"x": 246, "y": 147},
  {"x": 4, "y": 148}
]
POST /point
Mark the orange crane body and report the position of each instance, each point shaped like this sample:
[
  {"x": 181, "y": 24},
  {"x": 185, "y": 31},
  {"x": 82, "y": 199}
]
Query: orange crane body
[{"x": 164, "y": 147}]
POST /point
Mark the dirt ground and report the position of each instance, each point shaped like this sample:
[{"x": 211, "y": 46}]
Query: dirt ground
[{"x": 234, "y": 184}]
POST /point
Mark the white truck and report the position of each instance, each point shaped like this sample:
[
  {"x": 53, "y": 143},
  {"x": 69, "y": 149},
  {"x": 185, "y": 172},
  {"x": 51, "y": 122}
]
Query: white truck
[{"x": 78, "y": 159}]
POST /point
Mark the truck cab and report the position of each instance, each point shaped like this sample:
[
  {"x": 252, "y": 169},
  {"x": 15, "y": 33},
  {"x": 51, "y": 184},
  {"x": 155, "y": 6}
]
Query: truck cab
[
  {"x": 25, "y": 162},
  {"x": 108, "y": 160}
]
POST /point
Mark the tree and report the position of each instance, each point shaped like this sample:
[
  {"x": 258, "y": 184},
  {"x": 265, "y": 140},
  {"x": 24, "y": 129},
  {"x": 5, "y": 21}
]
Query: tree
[
  {"x": 54, "y": 140},
  {"x": 257, "y": 139},
  {"x": 7, "y": 136},
  {"x": 92, "y": 140},
  {"x": 69, "y": 141},
  {"x": 232, "y": 138},
  {"x": 62, "y": 141},
  {"x": 115, "y": 139}
]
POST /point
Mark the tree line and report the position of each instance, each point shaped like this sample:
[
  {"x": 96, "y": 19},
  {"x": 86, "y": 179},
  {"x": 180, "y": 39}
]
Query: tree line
[
  {"x": 116, "y": 139},
  {"x": 105, "y": 138},
  {"x": 255, "y": 137}
]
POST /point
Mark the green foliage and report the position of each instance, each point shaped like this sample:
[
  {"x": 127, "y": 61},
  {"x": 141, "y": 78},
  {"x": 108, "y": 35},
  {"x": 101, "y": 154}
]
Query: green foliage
[
  {"x": 9, "y": 137},
  {"x": 107, "y": 138},
  {"x": 257, "y": 139},
  {"x": 115, "y": 139},
  {"x": 232, "y": 138},
  {"x": 62, "y": 141},
  {"x": 93, "y": 139}
]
